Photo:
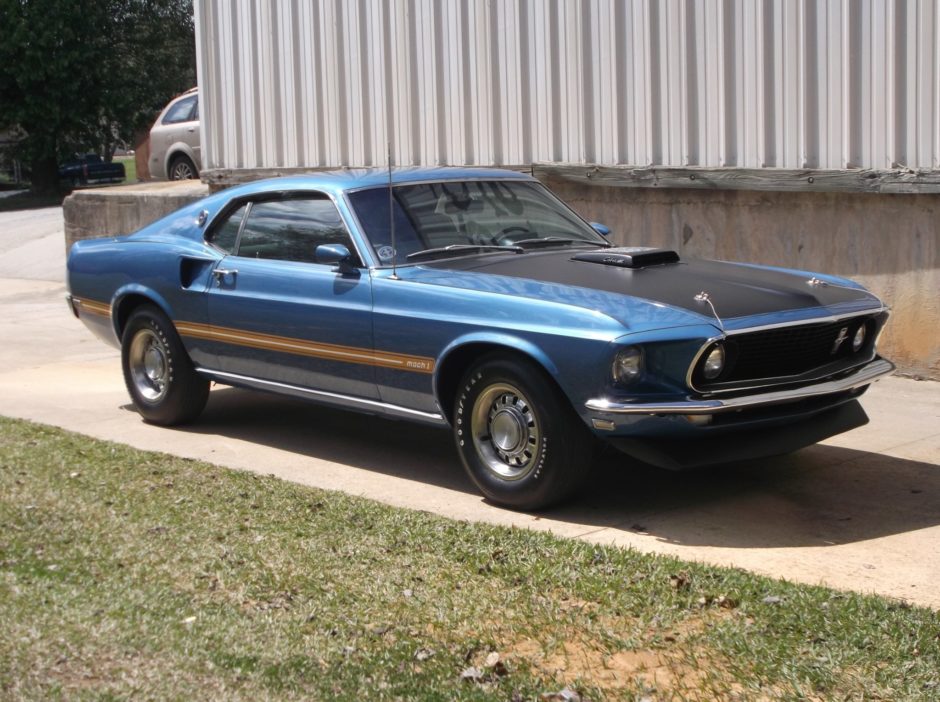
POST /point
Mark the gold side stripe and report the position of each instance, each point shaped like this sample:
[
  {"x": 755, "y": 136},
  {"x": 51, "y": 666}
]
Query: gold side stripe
[
  {"x": 300, "y": 347},
  {"x": 92, "y": 306}
]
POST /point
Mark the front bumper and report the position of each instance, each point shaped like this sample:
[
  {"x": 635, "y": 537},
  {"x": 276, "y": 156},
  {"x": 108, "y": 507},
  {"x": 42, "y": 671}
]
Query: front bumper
[
  {"x": 745, "y": 445},
  {"x": 869, "y": 373}
]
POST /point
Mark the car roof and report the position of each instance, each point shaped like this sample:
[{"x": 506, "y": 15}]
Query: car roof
[{"x": 339, "y": 181}]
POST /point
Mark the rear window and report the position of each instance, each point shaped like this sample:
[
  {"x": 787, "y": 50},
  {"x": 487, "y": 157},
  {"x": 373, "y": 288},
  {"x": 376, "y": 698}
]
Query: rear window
[{"x": 182, "y": 111}]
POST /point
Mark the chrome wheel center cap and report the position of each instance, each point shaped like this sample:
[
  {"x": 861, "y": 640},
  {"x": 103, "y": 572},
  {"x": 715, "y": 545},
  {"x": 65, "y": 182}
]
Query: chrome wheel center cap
[
  {"x": 505, "y": 432},
  {"x": 154, "y": 364},
  {"x": 508, "y": 429}
]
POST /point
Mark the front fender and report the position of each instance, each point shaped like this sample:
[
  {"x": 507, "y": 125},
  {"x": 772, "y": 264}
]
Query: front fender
[
  {"x": 508, "y": 341},
  {"x": 460, "y": 352}
]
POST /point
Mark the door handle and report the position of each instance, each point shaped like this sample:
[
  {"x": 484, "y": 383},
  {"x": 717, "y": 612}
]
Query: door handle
[{"x": 221, "y": 273}]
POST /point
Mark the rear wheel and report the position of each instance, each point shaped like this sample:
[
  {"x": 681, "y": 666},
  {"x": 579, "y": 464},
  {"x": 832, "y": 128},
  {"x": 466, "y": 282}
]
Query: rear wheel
[
  {"x": 518, "y": 438},
  {"x": 181, "y": 168},
  {"x": 158, "y": 373}
]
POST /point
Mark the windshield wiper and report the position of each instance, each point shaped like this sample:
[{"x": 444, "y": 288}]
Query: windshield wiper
[
  {"x": 540, "y": 241},
  {"x": 445, "y": 251}
]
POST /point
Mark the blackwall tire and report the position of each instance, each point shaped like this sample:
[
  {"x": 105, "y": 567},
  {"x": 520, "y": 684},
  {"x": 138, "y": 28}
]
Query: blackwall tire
[
  {"x": 518, "y": 437},
  {"x": 158, "y": 373},
  {"x": 182, "y": 168}
]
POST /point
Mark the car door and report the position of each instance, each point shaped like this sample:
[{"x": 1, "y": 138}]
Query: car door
[
  {"x": 181, "y": 125},
  {"x": 278, "y": 316}
]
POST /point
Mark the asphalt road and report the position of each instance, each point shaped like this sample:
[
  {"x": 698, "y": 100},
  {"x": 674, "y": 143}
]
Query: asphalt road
[{"x": 860, "y": 511}]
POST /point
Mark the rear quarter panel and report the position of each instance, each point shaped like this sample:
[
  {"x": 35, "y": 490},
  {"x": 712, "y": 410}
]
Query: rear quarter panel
[{"x": 111, "y": 276}]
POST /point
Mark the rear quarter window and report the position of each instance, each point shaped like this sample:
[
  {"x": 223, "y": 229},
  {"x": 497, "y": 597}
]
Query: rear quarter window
[{"x": 225, "y": 236}]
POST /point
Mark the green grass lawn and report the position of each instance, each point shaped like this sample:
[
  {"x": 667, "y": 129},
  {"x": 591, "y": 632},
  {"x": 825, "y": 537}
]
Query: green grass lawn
[
  {"x": 132, "y": 575},
  {"x": 130, "y": 168}
]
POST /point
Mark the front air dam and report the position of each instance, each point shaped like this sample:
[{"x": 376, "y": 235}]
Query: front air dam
[{"x": 678, "y": 453}]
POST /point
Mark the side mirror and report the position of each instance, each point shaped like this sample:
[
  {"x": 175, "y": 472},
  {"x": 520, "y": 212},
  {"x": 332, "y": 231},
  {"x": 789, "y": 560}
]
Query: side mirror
[
  {"x": 335, "y": 254},
  {"x": 601, "y": 229}
]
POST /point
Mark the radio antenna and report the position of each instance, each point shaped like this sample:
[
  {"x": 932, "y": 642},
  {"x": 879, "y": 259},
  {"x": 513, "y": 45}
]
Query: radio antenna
[{"x": 391, "y": 213}]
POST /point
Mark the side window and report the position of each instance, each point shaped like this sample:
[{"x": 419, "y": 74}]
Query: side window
[
  {"x": 291, "y": 230},
  {"x": 226, "y": 235},
  {"x": 181, "y": 111}
]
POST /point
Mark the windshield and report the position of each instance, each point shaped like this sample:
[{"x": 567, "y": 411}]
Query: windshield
[{"x": 469, "y": 216}]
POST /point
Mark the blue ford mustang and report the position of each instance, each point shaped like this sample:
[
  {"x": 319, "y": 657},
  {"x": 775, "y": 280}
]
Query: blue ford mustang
[{"x": 475, "y": 299}]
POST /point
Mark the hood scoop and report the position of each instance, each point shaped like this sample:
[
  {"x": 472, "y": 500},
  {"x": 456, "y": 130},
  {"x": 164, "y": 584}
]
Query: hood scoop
[{"x": 629, "y": 257}]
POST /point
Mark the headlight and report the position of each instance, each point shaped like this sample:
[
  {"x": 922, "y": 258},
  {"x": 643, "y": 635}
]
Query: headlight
[
  {"x": 714, "y": 362},
  {"x": 628, "y": 365},
  {"x": 859, "y": 338}
]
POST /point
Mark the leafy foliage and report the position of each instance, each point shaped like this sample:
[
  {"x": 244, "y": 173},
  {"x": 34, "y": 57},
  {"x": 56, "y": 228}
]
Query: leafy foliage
[{"x": 78, "y": 77}]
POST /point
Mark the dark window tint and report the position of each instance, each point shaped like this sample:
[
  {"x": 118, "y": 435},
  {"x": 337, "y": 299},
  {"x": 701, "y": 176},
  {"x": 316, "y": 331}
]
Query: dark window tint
[
  {"x": 182, "y": 111},
  {"x": 291, "y": 230},
  {"x": 226, "y": 236}
]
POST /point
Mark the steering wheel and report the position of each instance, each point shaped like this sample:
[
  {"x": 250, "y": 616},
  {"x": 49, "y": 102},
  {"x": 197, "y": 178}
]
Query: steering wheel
[{"x": 506, "y": 238}]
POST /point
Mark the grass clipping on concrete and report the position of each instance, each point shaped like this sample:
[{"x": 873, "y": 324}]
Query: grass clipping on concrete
[{"x": 126, "y": 574}]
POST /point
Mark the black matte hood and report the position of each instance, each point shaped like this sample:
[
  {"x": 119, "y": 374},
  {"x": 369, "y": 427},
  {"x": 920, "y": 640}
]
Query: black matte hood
[{"x": 736, "y": 290}]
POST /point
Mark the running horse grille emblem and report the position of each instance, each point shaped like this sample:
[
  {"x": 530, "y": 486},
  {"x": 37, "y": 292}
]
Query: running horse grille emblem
[{"x": 843, "y": 335}]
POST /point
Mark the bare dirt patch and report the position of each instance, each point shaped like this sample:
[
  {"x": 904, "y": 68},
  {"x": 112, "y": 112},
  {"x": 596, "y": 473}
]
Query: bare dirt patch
[
  {"x": 575, "y": 661},
  {"x": 683, "y": 669}
]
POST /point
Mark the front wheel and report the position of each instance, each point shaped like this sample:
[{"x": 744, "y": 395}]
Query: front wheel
[
  {"x": 518, "y": 438},
  {"x": 158, "y": 373}
]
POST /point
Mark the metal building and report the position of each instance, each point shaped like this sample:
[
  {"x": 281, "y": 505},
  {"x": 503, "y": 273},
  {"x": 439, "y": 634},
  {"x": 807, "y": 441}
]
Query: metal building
[
  {"x": 686, "y": 104},
  {"x": 827, "y": 85}
]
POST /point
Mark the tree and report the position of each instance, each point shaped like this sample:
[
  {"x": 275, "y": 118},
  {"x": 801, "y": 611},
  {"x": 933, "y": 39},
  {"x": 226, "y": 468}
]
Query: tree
[
  {"x": 83, "y": 76},
  {"x": 153, "y": 58}
]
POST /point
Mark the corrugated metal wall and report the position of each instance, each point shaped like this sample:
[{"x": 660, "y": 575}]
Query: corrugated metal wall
[{"x": 822, "y": 84}]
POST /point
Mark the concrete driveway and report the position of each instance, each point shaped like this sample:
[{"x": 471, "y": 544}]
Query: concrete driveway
[{"x": 859, "y": 512}]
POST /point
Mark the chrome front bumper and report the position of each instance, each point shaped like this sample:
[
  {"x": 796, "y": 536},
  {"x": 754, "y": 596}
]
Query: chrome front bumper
[{"x": 869, "y": 373}]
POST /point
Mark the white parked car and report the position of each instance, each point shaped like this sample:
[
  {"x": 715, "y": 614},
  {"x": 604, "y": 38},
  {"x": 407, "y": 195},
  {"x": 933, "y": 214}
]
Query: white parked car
[{"x": 174, "y": 139}]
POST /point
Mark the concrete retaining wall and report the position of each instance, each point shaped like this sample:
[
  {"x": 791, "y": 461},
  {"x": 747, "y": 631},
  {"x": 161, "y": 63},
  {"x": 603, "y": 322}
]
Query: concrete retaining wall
[
  {"x": 889, "y": 243},
  {"x": 124, "y": 209}
]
